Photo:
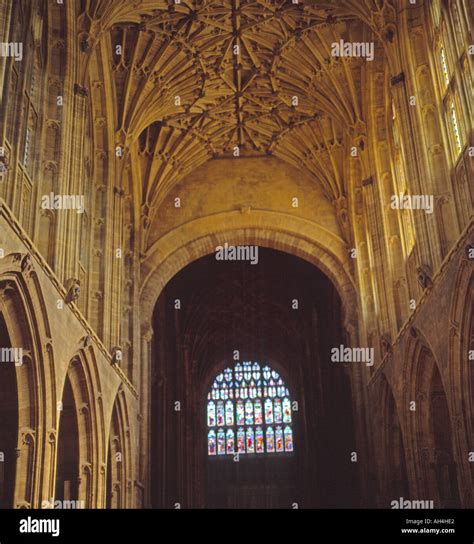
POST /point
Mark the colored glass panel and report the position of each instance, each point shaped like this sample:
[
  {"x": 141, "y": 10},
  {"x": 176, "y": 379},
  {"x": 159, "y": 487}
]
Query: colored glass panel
[
  {"x": 259, "y": 442},
  {"x": 240, "y": 440},
  {"x": 211, "y": 443},
  {"x": 249, "y": 412},
  {"x": 240, "y": 413},
  {"x": 279, "y": 445},
  {"x": 268, "y": 411},
  {"x": 277, "y": 411},
  {"x": 220, "y": 442},
  {"x": 220, "y": 414},
  {"x": 286, "y": 410},
  {"x": 258, "y": 414},
  {"x": 211, "y": 413},
  {"x": 230, "y": 441},
  {"x": 250, "y": 440},
  {"x": 288, "y": 439},
  {"x": 229, "y": 413},
  {"x": 270, "y": 440}
]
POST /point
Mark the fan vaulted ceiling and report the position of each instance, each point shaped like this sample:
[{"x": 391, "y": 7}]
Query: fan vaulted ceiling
[{"x": 196, "y": 80}]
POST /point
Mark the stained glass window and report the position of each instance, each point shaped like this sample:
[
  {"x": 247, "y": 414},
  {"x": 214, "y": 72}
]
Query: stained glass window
[{"x": 249, "y": 411}]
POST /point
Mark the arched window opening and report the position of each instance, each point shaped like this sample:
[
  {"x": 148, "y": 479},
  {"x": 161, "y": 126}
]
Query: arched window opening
[
  {"x": 444, "y": 66},
  {"x": 10, "y": 419},
  {"x": 455, "y": 129},
  {"x": 451, "y": 43},
  {"x": 249, "y": 412},
  {"x": 67, "y": 474}
]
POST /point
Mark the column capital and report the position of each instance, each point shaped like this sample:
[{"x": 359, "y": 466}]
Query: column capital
[{"x": 147, "y": 332}]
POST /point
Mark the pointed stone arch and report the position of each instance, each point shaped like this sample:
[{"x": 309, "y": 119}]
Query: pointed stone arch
[
  {"x": 187, "y": 243},
  {"x": 389, "y": 445},
  {"x": 26, "y": 322},
  {"x": 119, "y": 456},
  {"x": 9, "y": 412},
  {"x": 274, "y": 230},
  {"x": 430, "y": 424},
  {"x": 461, "y": 370},
  {"x": 80, "y": 383}
]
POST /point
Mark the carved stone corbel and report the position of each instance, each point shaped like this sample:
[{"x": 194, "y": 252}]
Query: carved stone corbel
[
  {"x": 424, "y": 276},
  {"x": 73, "y": 287}
]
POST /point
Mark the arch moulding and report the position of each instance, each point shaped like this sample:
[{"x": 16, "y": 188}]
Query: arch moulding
[{"x": 274, "y": 230}]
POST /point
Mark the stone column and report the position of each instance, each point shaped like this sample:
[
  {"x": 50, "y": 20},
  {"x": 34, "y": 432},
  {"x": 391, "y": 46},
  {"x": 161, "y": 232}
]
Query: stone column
[
  {"x": 425, "y": 241},
  {"x": 144, "y": 446},
  {"x": 5, "y": 19},
  {"x": 68, "y": 236}
]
